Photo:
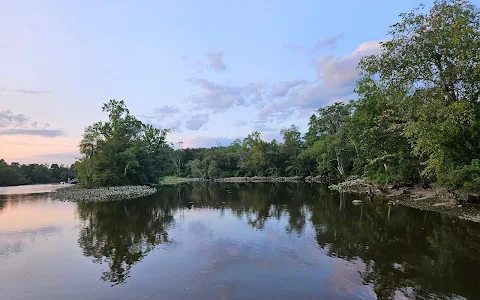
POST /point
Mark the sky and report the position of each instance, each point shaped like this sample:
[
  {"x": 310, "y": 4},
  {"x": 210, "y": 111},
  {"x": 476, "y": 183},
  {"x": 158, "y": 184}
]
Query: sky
[{"x": 212, "y": 71}]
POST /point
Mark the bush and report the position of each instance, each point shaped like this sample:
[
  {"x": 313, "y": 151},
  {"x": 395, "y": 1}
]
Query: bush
[{"x": 465, "y": 180}]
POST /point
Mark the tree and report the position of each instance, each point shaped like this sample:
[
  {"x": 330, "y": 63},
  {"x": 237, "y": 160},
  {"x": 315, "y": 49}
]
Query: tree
[
  {"x": 328, "y": 122},
  {"x": 292, "y": 146},
  {"x": 376, "y": 132},
  {"x": 328, "y": 142},
  {"x": 123, "y": 150},
  {"x": 433, "y": 57}
]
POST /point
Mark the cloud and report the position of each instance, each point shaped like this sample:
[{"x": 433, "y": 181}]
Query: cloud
[
  {"x": 38, "y": 132},
  {"x": 276, "y": 112},
  {"x": 282, "y": 89},
  {"x": 174, "y": 125},
  {"x": 336, "y": 79},
  {"x": 162, "y": 117},
  {"x": 198, "y": 65},
  {"x": 197, "y": 121},
  {"x": 241, "y": 123},
  {"x": 329, "y": 42},
  {"x": 16, "y": 124},
  {"x": 24, "y": 91},
  {"x": 218, "y": 97},
  {"x": 215, "y": 60},
  {"x": 9, "y": 119},
  {"x": 341, "y": 72},
  {"x": 212, "y": 60},
  {"x": 263, "y": 126},
  {"x": 324, "y": 43},
  {"x": 167, "y": 109}
]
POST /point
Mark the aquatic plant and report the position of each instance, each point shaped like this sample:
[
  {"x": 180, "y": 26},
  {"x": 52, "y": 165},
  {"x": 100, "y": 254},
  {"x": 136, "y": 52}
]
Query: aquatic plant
[{"x": 104, "y": 194}]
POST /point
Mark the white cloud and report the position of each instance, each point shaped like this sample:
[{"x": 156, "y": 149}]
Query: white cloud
[
  {"x": 174, "y": 125},
  {"x": 241, "y": 123},
  {"x": 218, "y": 97},
  {"x": 215, "y": 60},
  {"x": 197, "y": 121},
  {"x": 336, "y": 79},
  {"x": 167, "y": 109},
  {"x": 16, "y": 124},
  {"x": 24, "y": 91},
  {"x": 329, "y": 42},
  {"x": 263, "y": 126},
  {"x": 9, "y": 119},
  {"x": 282, "y": 89},
  {"x": 341, "y": 72}
]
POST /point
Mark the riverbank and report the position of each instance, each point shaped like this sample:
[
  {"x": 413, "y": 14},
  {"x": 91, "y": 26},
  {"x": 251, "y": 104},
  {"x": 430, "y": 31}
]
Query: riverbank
[
  {"x": 258, "y": 179},
  {"x": 431, "y": 198}
]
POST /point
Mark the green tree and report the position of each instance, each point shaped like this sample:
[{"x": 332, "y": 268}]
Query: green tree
[
  {"x": 328, "y": 142},
  {"x": 123, "y": 150},
  {"x": 292, "y": 147},
  {"x": 433, "y": 56}
]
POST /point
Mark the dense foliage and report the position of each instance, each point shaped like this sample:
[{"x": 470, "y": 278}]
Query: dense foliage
[
  {"x": 18, "y": 174},
  {"x": 123, "y": 150}
]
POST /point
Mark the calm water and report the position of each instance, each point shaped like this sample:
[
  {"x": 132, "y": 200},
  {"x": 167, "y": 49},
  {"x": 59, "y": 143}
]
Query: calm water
[{"x": 234, "y": 241}]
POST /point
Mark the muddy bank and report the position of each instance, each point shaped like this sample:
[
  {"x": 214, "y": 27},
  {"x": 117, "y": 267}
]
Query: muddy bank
[
  {"x": 431, "y": 199},
  {"x": 181, "y": 180},
  {"x": 259, "y": 179}
]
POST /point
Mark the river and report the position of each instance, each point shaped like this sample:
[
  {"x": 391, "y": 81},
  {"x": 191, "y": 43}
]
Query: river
[{"x": 233, "y": 241}]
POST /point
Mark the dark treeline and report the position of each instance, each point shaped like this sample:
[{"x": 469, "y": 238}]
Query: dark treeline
[
  {"x": 19, "y": 174},
  {"x": 416, "y": 120}
]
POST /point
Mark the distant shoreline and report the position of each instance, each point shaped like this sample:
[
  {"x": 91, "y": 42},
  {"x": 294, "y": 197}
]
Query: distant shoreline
[{"x": 259, "y": 179}]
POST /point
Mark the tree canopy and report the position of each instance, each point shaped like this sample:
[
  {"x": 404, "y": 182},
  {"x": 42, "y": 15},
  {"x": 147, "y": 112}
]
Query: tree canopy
[
  {"x": 123, "y": 150},
  {"x": 20, "y": 174}
]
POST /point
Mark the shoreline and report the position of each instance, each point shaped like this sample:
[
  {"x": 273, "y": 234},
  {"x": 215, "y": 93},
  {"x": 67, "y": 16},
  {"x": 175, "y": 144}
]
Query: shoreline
[
  {"x": 430, "y": 199},
  {"x": 259, "y": 179}
]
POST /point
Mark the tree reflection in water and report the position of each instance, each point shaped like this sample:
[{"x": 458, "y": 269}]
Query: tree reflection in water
[
  {"x": 3, "y": 203},
  {"x": 415, "y": 253},
  {"x": 122, "y": 233}
]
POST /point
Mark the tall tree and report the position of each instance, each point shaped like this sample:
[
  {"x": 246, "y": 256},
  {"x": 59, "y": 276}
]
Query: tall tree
[
  {"x": 434, "y": 56},
  {"x": 123, "y": 150}
]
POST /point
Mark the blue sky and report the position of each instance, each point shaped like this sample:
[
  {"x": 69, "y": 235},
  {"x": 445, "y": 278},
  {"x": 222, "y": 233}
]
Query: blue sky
[{"x": 212, "y": 70}]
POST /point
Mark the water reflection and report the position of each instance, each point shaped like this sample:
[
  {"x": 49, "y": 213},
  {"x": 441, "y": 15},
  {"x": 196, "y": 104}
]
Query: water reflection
[
  {"x": 122, "y": 233},
  {"x": 402, "y": 251},
  {"x": 15, "y": 242},
  {"x": 25, "y": 219}
]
